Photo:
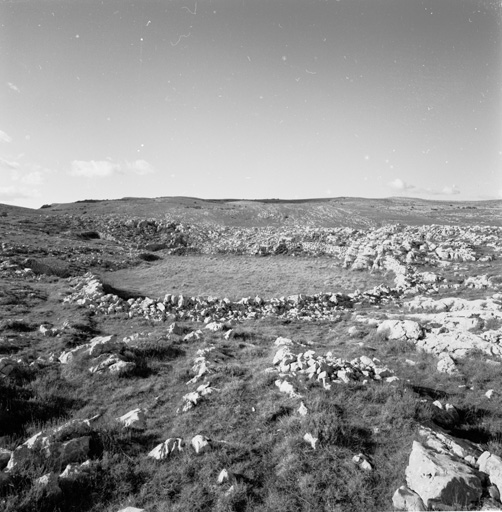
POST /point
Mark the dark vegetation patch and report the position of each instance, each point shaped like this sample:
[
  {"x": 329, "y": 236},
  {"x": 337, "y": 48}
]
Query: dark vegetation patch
[
  {"x": 89, "y": 235},
  {"x": 146, "y": 256},
  {"x": 47, "y": 397},
  {"x": 49, "y": 267},
  {"x": 155, "y": 247},
  {"x": 119, "y": 292},
  {"x": 16, "y": 325}
]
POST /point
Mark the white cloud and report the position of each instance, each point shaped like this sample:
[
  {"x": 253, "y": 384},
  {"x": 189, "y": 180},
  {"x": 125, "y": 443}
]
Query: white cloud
[
  {"x": 4, "y": 137},
  {"x": 450, "y": 190},
  {"x": 140, "y": 167},
  {"x": 23, "y": 170},
  {"x": 10, "y": 193},
  {"x": 399, "y": 184},
  {"x": 93, "y": 168},
  {"x": 33, "y": 178},
  {"x": 13, "y": 87},
  {"x": 106, "y": 168},
  {"x": 9, "y": 164}
]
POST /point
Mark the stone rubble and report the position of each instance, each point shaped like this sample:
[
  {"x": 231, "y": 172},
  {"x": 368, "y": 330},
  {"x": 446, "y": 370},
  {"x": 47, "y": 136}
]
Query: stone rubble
[
  {"x": 104, "y": 351},
  {"x": 191, "y": 399},
  {"x": 328, "y": 369},
  {"x": 68, "y": 443}
]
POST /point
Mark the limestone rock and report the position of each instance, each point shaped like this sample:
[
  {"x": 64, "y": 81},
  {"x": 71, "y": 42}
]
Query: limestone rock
[
  {"x": 102, "y": 344},
  {"x": 168, "y": 447},
  {"x": 439, "y": 478},
  {"x": 50, "y": 485},
  {"x": 200, "y": 443},
  {"x": 492, "y": 466},
  {"x": 20, "y": 457},
  {"x": 302, "y": 410},
  {"x": 310, "y": 439},
  {"x": 282, "y": 341},
  {"x": 442, "y": 442},
  {"x": 283, "y": 355},
  {"x": 74, "y": 472},
  {"x": 401, "y": 329},
  {"x": 5, "y": 456},
  {"x": 214, "y": 326},
  {"x": 446, "y": 364},
  {"x": 193, "y": 336},
  {"x": 121, "y": 367},
  {"x": 362, "y": 462},
  {"x": 74, "y": 450},
  {"x": 406, "y": 499},
  {"x": 225, "y": 476},
  {"x": 286, "y": 387},
  {"x": 135, "y": 419},
  {"x": 458, "y": 344},
  {"x": 491, "y": 505}
]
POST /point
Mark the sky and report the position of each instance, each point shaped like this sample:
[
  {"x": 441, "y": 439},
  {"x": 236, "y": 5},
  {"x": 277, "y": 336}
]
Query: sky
[{"x": 250, "y": 99}]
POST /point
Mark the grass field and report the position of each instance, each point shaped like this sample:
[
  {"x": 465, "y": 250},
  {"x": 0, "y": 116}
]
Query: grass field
[{"x": 242, "y": 276}]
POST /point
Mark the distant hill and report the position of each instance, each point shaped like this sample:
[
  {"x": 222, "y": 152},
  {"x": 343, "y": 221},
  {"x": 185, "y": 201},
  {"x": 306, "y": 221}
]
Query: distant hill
[{"x": 319, "y": 212}]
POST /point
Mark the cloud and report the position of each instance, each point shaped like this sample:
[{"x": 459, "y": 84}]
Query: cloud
[
  {"x": 106, "y": 168},
  {"x": 140, "y": 167},
  {"x": 399, "y": 184},
  {"x": 13, "y": 87},
  {"x": 450, "y": 190},
  {"x": 8, "y": 164},
  {"x": 33, "y": 178},
  {"x": 94, "y": 168},
  {"x": 23, "y": 170},
  {"x": 402, "y": 186},
  {"x": 4, "y": 137},
  {"x": 11, "y": 193}
]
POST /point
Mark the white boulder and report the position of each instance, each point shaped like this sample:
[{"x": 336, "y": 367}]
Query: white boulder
[
  {"x": 168, "y": 447},
  {"x": 440, "y": 479}
]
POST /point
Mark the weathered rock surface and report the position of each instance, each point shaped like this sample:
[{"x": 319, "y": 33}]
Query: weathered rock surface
[
  {"x": 440, "y": 479},
  {"x": 135, "y": 419},
  {"x": 200, "y": 443},
  {"x": 401, "y": 330},
  {"x": 491, "y": 465},
  {"x": 406, "y": 499},
  {"x": 168, "y": 447}
]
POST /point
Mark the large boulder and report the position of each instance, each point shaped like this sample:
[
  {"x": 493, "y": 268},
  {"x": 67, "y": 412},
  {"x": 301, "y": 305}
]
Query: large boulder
[
  {"x": 406, "y": 499},
  {"x": 200, "y": 443},
  {"x": 442, "y": 442},
  {"x": 168, "y": 447},
  {"x": 401, "y": 330},
  {"x": 492, "y": 466},
  {"x": 49, "y": 484},
  {"x": 5, "y": 456},
  {"x": 458, "y": 344},
  {"x": 135, "y": 419},
  {"x": 440, "y": 479},
  {"x": 102, "y": 344}
]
